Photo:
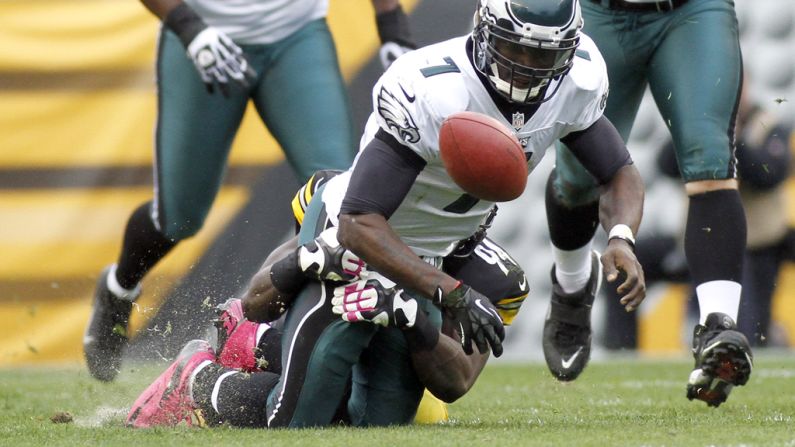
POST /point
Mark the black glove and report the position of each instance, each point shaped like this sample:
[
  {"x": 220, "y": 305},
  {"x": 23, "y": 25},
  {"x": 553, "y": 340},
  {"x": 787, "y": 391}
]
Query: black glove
[
  {"x": 393, "y": 30},
  {"x": 476, "y": 317}
]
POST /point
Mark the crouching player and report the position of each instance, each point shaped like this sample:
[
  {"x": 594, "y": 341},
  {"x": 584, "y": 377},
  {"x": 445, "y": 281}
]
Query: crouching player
[{"x": 247, "y": 348}]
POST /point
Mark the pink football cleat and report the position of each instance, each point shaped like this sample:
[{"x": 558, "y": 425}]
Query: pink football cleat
[
  {"x": 167, "y": 401},
  {"x": 237, "y": 337}
]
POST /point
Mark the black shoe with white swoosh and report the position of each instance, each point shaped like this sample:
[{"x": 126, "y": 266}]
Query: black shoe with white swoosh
[
  {"x": 106, "y": 335},
  {"x": 567, "y": 328}
]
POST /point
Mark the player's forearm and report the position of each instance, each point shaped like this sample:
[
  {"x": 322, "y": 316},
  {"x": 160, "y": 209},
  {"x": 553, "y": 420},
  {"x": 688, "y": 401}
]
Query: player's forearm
[
  {"x": 441, "y": 364},
  {"x": 262, "y": 301},
  {"x": 372, "y": 239},
  {"x": 621, "y": 201}
]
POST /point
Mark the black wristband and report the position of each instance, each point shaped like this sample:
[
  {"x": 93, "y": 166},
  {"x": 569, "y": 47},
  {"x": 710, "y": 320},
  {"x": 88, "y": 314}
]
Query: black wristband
[
  {"x": 393, "y": 26},
  {"x": 423, "y": 336},
  {"x": 287, "y": 276},
  {"x": 184, "y": 21}
]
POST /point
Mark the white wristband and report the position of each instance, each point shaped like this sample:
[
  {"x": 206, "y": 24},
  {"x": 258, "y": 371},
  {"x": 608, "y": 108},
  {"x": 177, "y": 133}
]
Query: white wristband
[{"x": 622, "y": 232}]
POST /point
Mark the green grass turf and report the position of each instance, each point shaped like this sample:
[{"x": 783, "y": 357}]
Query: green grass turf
[{"x": 626, "y": 402}]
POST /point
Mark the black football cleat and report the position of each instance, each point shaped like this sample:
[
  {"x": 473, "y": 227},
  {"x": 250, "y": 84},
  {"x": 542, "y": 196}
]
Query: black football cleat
[
  {"x": 567, "y": 328},
  {"x": 723, "y": 360},
  {"x": 106, "y": 335}
]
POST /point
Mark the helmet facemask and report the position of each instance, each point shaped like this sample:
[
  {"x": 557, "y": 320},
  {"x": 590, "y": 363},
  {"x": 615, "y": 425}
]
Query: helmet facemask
[{"x": 521, "y": 65}]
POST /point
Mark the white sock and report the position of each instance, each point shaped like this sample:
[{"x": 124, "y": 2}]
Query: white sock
[
  {"x": 718, "y": 296},
  {"x": 119, "y": 291},
  {"x": 572, "y": 267}
]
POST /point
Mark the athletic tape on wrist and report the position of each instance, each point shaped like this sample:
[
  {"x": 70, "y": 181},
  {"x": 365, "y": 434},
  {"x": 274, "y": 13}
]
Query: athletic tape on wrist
[{"x": 622, "y": 232}]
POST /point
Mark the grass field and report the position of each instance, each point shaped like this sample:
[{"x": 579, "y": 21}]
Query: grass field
[{"x": 620, "y": 402}]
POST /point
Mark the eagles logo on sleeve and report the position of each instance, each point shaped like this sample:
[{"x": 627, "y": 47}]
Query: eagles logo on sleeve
[{"x": 397, "y": 117}]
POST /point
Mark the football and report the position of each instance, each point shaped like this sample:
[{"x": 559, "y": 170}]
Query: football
[{"x": 483, "y": 156}]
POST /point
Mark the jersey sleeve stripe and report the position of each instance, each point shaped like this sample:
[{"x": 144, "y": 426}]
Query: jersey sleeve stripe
[
  {"x": 301, "y": 200},
  {"x": 308, "y": 191},
  {"x": 298, "y": 210}
]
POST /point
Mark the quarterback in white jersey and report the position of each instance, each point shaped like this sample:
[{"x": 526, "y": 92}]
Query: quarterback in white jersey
[
  {"x": 528, "y": 66},
  {"x": 422, "y": 88}
]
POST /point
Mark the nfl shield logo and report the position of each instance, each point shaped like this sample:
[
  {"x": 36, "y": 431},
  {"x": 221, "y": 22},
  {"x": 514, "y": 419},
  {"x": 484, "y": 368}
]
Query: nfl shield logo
[{"x": 518, "y": 120}]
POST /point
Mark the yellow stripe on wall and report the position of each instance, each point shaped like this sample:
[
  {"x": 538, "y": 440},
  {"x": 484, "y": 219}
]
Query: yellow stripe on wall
[
  {"x": 75, "y": 35},
  {"x": 74, "y": 233},
  {"x": 99, "y": 128},
  {"x": 44, "y": 331},
  {"x": 83, "y": 235},
  {"x": 660, "y": 329},
  {"x": 784, "y": 301}
]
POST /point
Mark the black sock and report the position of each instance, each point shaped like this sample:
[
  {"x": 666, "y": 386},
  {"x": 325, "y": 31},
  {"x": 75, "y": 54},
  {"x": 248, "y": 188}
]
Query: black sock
[
  {"x": 569, "y": 228},
  {"x": 202, "y": 392},
  {"x": 715, "y": 236},
  {"x": 242, "y": 397},
  {"x": 143, "y": 247}
]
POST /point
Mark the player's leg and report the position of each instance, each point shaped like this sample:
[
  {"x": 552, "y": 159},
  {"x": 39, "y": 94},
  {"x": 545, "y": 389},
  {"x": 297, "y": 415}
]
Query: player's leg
[
  {"x": 206, "y": 387},
  {"x": 303, "y": 101},
  {"x": 193, "y": 135},
  {"x": 385, "y": 388},
  {"x": 572, "y": 198},
  {"x": 697, "y": 92},
  {"x": 197, "y": 390}
]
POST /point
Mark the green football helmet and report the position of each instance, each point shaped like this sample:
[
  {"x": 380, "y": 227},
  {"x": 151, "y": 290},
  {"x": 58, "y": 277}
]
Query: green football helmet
[{"x": 524, "y": 46}]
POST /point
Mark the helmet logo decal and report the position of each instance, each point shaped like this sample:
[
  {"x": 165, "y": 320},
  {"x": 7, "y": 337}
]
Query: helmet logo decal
[{"x": 397, "y": 116}]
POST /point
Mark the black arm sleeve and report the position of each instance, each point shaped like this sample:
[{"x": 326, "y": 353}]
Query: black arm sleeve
[
  {"x": 767, "y": 166},
  {"x": 384, "y": 173},
  {"x": 600, "y": 149}
]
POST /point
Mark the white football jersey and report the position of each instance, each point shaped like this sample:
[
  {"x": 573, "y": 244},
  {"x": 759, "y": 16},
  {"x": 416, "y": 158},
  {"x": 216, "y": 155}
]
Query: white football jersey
[
  {"x": 259, "y": 21},
  {"x": 420, "y": 90}
]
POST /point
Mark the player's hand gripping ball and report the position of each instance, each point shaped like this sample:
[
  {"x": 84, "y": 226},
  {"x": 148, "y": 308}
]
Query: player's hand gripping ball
[{"x": 483, "y": 156}]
